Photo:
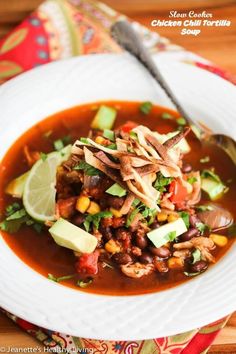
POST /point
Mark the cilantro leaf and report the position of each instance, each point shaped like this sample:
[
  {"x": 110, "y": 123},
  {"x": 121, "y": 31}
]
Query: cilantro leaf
[
  {"x": 43, "y": 156},
  {"x": 59, "y": 279},
  {"x": 116, "y": 190},
  {"x": 196, "y": 256},
  {"x": 145, "y": 107},
  {"x": 131, "y": 216},
  {"x": 185, "y": 216},
  {"x": 192, "y": 180},
  {"x": 109, "y": 134},
  {"x": 166, "y": 115},
  {"x": 211, "y": 174},
  {"x": 88, "y": 169},
  {"x": 201, "y": 227},
  {"x": 161, "y": 182},
  {"x": 85, "y": 283},
  {"x": 95, "y": 219}
]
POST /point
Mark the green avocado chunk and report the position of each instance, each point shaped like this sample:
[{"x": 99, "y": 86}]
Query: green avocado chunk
[
  {"x": 214, "y": 189},
  {"x": 68, "y": 235},
  {"x": 17, "y": 185},
  {"x": 105, "y": 118}
]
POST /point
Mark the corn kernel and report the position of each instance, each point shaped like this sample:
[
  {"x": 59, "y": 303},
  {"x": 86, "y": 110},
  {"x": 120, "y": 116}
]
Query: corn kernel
[
  {"x": 175, "y": 263},
  {"x": 116, "y": 213},
  {"x": 82, "y": 204},
  {"x": 161, "y": 216},
  {"x": 99, "y": 140},
  {"x": 94, "y": 208},
  {"x": 172, "y": 217},
  {"x": 219, "y": 240},
  {"x": 112, "y": 247}
]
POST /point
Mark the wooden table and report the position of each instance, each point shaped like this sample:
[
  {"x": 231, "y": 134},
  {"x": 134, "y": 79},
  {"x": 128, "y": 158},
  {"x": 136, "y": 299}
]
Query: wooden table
[{"x": 218, "y": 45}]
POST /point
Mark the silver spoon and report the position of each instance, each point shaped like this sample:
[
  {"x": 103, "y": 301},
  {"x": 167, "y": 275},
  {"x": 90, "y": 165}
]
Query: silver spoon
[{"x": 124, "y": 34}]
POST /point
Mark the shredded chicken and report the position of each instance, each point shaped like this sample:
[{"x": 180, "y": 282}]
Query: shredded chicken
[
  {"x": 183, "y": 254},
  {"x": 204, "y": 244},
  {"x": 137, "y": 270}
]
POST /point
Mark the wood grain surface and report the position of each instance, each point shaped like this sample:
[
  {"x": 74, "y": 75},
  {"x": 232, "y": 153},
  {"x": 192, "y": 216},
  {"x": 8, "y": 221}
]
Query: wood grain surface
[{"x": 216, "y": 44}]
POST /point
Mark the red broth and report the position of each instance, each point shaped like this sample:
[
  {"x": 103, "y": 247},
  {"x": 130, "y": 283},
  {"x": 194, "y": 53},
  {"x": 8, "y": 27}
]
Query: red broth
[{"x": 41, "y": 253}]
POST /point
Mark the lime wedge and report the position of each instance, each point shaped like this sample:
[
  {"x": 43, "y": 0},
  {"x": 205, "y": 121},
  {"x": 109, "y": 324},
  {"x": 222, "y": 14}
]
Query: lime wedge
[{"x": 39, "y": 197}]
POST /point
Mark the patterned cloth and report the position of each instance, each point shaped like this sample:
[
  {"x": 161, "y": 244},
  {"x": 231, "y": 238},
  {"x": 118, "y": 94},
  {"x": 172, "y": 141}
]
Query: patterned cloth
[{"x": 59, "y": 29}]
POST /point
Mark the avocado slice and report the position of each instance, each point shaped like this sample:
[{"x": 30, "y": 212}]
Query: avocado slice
[
  {"x": 68, "y": 235},
  {"x": 167, "y": 232},
  {"x": 17, "y": 185},
  {"x": 214, "y": 189},
  {"x": 105, "y": 118}
]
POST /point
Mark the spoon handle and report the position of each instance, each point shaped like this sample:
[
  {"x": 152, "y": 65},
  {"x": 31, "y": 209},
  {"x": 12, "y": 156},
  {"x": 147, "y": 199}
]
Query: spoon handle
[{"x": 124, "y": 34}]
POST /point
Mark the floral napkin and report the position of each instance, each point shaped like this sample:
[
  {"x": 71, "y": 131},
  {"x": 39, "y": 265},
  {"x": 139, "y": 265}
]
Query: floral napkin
[{"x": 59, "y": 29}]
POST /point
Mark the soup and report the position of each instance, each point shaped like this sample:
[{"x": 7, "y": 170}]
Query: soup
[{"x": 165, "y": 237}]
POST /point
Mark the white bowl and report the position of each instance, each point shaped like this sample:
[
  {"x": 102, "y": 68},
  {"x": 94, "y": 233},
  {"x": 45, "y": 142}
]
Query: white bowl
[{"x": 31, "y": 97}]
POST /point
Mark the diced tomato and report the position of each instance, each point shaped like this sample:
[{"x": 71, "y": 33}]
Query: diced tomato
[
  {"x": 128, "y": 126},
  {"x": 66, "y": 207},
  {"x": 179, "y": 192},
  {"x": 88, "y": 263}
]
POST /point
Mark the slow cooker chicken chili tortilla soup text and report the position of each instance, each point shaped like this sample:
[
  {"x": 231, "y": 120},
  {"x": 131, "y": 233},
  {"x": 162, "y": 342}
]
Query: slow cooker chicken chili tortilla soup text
[{"x": 117, "y": 198}]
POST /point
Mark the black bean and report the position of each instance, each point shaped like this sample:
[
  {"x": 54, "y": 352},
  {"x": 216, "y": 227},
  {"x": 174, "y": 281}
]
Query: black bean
[
  {"x": 192, "y": 232},
  {"x": 122, "y": 233},
  {"x": 193, "y": 219},
  {"x": 122, "y": 258},
  {"x": 115, "y": 202},
  {"x": 198, "y": 267},
  {"x": 186, "y": 168},
  {"x": 78, "y": 219},
  {"x": 141, "y": 242},
  {"x": 146, "y": 258},
  {"x": 162, "y": 252},
  {"x": 106, "y": 232},
  {"x": 155, "y": 225}
]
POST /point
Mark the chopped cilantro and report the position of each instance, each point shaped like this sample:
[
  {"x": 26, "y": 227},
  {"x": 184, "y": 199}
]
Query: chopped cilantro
[
  {"x": 185, "y": 216},
  {"x": 135, "y": 202},
  {"x": 112, "y": 146},
  {"x": 181, "y": 121},
  {"x": 84, "y": 284},
  {"x": 43, "y": 156},
  {"x": 161, "y": 182},
  {"x": 166, "y": 115},
  {"x": 145, "y": 107},
  {"x": 58, "y": 144},
  {"x": 88, "y": 169},
  {"x": 109, "y": 134},
  {"x": 59, "y": 279},
  {"x": 95, "y": 219},
  {"x": 84, "y": 140},
  {"x": 149, "y": 213},
  {"x": 196, "y": 256},
  {"x": 133, "y": 135},
  {"x": 205, "y": 159},
  {"x": 201, "y": 227},
  {"x": 12, "y": 208},
  {"x": 15, "y": 218},
  {"x": 116, "y": 190},
  {"x": 211, "y": 174},
  {"x": 192, "y": 180},
  {"x": 131, "y": 216}
]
